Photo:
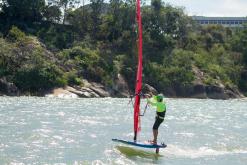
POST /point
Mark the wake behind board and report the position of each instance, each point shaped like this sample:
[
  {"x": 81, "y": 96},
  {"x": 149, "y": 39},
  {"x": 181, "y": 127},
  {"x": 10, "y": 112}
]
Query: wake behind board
[{"x": 141, "y": 144}]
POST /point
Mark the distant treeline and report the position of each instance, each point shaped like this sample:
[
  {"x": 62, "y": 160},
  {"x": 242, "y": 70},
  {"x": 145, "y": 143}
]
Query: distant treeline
[{"x": 44, "y": 46}]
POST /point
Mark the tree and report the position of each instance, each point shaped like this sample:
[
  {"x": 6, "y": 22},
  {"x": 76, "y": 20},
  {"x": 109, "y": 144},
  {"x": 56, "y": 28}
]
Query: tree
[
  {"x": 65, "y": 5},
  {"x": 24, "y": 10},
  {"x": 242, "y": 44},
  {"x": 96, "y": 6},
  {"x": 111, "y": 27},
  {"x": 52, "y": 13},
  {"x": 79, "y": 19},
  {"x": 1, "y": 5},
  {"x": 115, "y": 18}
]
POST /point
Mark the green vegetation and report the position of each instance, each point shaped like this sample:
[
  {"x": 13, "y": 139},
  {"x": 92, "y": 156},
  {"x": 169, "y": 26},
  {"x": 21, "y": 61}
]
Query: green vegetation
[
  {"x": 98, "y": 41},
  {"x": 26, "y": 63}
]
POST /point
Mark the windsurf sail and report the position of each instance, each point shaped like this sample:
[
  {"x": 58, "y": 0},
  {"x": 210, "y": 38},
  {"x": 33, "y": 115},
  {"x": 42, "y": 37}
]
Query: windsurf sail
[{"x": 138, "y": 85}]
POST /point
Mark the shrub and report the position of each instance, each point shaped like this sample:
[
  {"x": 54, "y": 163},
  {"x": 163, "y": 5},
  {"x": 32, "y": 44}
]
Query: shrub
[
  {"x": 36, "y": 78},
  {"x": 73, "y": 78},
  {"x": 16, "y": 34}
]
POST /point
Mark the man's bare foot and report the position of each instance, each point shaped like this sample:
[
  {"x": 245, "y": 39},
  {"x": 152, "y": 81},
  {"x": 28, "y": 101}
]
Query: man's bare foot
[{"x": 152, "y": 141}]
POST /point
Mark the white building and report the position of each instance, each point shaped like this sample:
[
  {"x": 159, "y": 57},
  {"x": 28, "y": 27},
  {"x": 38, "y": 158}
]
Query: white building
[{"x": 224, "y": 21}]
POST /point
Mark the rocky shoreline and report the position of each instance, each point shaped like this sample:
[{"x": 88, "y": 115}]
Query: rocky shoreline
[
  {"x": 121, "y": 90},
  {"x": 202, "y": 91}
]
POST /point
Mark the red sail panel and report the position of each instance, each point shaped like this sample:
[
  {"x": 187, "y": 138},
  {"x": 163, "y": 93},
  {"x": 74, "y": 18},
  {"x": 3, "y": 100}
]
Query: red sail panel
[{"x": 139, "y": 71}]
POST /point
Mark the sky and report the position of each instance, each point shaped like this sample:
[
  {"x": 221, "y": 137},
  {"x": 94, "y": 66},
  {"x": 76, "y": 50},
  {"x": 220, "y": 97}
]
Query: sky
[{"x": 219, "y": 8}]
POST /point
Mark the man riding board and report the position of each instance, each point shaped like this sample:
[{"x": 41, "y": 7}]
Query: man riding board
[{"x": 160, "y": 105}]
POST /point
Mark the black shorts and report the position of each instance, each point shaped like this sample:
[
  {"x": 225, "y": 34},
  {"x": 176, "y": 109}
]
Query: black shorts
[{"x": 158, "y": 119}]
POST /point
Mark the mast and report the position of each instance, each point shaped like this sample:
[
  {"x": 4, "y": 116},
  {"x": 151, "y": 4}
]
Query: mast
[{"x": 138, "y": 86}]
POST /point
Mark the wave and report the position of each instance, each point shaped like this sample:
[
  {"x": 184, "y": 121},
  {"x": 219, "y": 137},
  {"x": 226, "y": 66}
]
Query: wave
[{"x": 177, "y": 151}]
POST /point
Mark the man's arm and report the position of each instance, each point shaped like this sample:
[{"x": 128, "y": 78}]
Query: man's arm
[{"x": 153, "y": 101}]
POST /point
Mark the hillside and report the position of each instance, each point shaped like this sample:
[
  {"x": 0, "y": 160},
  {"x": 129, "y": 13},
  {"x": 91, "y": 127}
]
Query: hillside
[{"x": 95, "y": 52}]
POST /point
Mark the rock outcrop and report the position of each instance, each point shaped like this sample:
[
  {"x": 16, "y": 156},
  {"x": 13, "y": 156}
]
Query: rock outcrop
[
  {"x": 218, "y": 92},
  {"x": 120, "y": 87},
  {"x": 90, "y": 90},
  {"x": 61, "y": 93},
  {"x": 7, "y": 88},
  {"x": 202, "y": 91},
  {"x": 99, "y": 89},
  {"x": 148, "y": 89}
]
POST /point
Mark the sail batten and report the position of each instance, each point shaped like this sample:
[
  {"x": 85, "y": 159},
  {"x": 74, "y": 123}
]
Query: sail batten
[{"x": 138, "y": 86}]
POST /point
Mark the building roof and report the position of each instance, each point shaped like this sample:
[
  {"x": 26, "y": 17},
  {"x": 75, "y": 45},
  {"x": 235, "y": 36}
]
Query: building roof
[{"x": 219, "y": 18}]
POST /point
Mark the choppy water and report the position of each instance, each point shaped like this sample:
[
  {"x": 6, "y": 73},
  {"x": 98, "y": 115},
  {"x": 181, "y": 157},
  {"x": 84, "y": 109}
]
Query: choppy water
[{"x": 79, "y": 131}]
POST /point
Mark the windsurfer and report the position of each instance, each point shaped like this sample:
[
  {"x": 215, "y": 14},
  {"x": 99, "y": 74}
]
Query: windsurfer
[{"x": 160, "y": 105}]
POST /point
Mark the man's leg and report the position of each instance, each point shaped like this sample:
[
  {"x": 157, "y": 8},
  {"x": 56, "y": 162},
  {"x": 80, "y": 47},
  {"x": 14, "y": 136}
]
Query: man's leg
[
  {"x": 155, "y": 129},
  {"x": 155, "y": 134}
]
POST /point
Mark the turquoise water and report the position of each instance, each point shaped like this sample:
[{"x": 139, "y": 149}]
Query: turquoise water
[{"x": 79, "y": 131}]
